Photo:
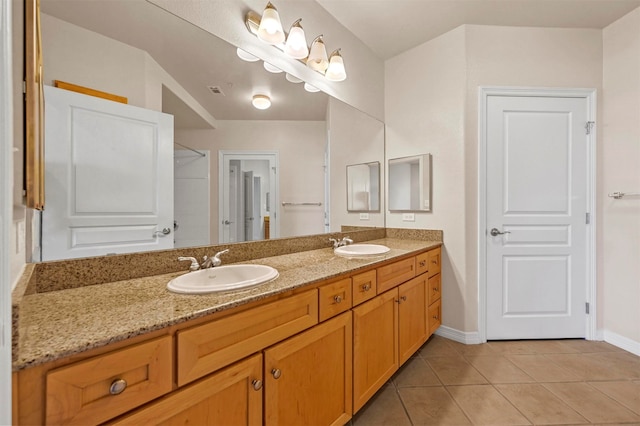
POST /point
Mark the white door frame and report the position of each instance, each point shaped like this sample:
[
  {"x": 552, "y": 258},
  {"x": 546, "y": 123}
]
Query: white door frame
[{"x": 590, "y": 96}]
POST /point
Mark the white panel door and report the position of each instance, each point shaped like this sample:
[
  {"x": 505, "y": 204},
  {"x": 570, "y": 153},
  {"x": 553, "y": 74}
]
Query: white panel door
[
  {"x": 109, "y": 177},
  {"x": 536, "y": 207}
]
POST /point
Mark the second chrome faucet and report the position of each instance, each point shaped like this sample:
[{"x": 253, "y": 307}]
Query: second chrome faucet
[{"x": 207, "y": 262}]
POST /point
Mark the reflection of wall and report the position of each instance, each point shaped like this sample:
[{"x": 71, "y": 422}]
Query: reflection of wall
[
  {"x": 355, "y": 138},
  {"x": 300, "y": 145},
  {"x": 436, "y": 112}
]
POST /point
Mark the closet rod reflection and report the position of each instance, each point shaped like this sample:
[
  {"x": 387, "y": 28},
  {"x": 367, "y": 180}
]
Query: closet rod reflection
[
  {"x": 284, "y": 203},
  {"x": 618, "y": 195}
]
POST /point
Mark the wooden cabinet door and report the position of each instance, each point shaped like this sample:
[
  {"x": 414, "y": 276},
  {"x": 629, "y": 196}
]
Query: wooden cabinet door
[
  {"x": 412, "y": 318},
  {"x": 308, "y": 377},
  {"x": 230, "y": 397},
  {"x": 375, "y": 345}
]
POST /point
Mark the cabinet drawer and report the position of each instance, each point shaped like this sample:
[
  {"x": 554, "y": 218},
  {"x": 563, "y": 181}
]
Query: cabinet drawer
[
  {"x": 422, "y": 263},
  {"x": 434, "y": 261},
  {"x": 208, "y": 347},
  {"x": 435, "y": 317},
  {"x": 364, "y": 286},
  {"x": 434, "y": 288},
  {"x": 396, "y": 273},
  {"x": 85, "y": 392},
  {"x": 334, "y": 298}
]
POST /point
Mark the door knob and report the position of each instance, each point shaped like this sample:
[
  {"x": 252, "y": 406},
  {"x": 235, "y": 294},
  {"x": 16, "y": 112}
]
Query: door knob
[
  {"x": 226, "y": 222},
  {"x": 165, "y": 231},
  {"x": 494, "y": 232}
]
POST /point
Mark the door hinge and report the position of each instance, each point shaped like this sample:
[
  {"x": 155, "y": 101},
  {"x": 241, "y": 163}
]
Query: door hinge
[
  {"x": 587, "y": 307},
  {"x": 589, "y": 126},
  {"x": 588, "y": 218},
  {"x": 24, "y": 87}
]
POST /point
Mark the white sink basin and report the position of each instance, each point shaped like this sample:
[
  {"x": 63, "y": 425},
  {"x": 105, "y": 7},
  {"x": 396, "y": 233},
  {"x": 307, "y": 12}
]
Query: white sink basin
[
  {"x": 361, "y": 250},
  {"x": 222, "y": 278}
]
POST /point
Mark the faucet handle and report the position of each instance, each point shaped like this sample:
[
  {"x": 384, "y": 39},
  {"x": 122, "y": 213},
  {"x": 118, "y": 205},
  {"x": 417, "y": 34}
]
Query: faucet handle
[
  {"x": 194, "y": 263},
  {"x": 335, "y": 242},
  {"x": 221, "y": 253}
]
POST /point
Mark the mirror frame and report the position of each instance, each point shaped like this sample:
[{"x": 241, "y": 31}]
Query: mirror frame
[
  {"x": 424, "y": 181},
  {"x": 348, "y": 180}
]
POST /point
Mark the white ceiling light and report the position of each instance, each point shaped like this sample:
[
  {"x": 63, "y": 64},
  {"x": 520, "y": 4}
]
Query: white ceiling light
[
  {"x": 270, "y": 29},
  {"x": 292, "y": 78},
  {"x": 261, "y": 101},
  {"x": 272, "y": 68},
  {"x": 296, "y": 45},
  {"x": 336, "y": 70},
  {"x": 246, "y": 56},
  {"x": 310, "y": 88},
  {"x": 317, "y": 59}
]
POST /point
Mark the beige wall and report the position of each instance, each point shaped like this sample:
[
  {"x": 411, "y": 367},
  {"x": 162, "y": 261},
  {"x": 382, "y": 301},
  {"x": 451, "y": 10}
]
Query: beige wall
[
  {"x": 431, "y": 106},
  {"x": 619, "y": 220}
]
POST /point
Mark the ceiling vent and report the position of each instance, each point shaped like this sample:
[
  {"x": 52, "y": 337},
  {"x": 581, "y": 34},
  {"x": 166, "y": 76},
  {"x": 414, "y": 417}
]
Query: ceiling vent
[{"x": 216, "y": 90}]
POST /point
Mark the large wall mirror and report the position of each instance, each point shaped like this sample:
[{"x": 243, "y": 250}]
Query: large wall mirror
[
  {"x": 292, "y": 182},
  {"x": 410, "y": 183}
]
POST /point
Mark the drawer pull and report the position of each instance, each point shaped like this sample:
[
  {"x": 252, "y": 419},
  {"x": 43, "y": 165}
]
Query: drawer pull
[
  {"x": 117, "y": 386},
  {"x": 423, "y": 263},
  {"x": 366, "y": 287},
  {"x": 276, "y": 373},
  {"x": 337, "y": 298},
  {"x": 257, "y": 384}
]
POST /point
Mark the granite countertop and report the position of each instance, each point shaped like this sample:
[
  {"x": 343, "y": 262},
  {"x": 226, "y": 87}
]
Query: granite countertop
[{"x": 56, "y": 324}]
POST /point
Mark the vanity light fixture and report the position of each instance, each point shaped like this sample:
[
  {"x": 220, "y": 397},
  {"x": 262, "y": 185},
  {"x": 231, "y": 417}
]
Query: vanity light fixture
[
  {"x": 270, "y": 29},
  {"x": 261, "y": 101},
  {"x": 336, "y": 71},
  {"x": 292, "y": 78},
  {"x": 295, "y": 46},
  {"x": 310, "y": 88},
  {"x": 272, "y": 68}
]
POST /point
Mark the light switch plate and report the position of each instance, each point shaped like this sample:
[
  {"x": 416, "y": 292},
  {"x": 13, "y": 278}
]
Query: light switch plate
[
  {"x": 364, "y": 216},
  {"x": 408, "y": 217}
]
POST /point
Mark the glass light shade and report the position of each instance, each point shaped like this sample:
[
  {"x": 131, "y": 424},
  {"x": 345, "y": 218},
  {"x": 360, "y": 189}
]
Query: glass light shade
[
  {"x": 292, "y": 78},
  {"x": 272, "y": 68},
  {"x": 261, "y": 101},
  {"x": 296, "y": 45},
  {"x": 270, "y": 29},
  {"x": 336, "y": 70},
  {"x": 310, "y": 88},
  {"x": 246, "y": 56},
  {"x": 317, "y": 59}
]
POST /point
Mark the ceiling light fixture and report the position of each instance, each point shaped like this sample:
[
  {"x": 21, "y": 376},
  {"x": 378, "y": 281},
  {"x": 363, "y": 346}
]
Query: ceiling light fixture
[
  {"x": 261, "y": 101},
  {"x": 246, "y": 56},
  {"x": 270, "y": 29},
  {"x": 295, "y": 47}
]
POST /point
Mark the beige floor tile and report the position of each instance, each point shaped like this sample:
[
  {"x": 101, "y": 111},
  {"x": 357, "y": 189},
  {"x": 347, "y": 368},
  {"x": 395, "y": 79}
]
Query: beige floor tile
[
  {"x": 432, "y": 406},
  {"x": 625, "y": 392},
  {"x": 498, "y": 369},
  {"x": 415, "y": 372},
  {"x": 589, "y": 346},
  {"x": 511, "y": 347},
  {"x": 455, "y": 371},
  {"x": 625, "y": 363},
  {"x": 484, "y": 405},
  {"x": 539, "y": 405},
  {"x": 592, "y": 404},
  {"x": 437, "y": 346},
  {"x": 385, "y": 408},
  {"x": 588, "y": 367},
  {"x": 541, "y": 369},
  {"x": 473, "y": 350}
]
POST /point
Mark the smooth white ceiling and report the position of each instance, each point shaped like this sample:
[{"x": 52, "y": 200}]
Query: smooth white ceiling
[{"x": 390, "y": 27}]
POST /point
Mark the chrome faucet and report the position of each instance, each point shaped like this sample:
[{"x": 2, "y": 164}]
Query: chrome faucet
[
  {"x": 210, "y": 262},
  {"x": 194, "y": 263},
  {"x": 340, "y": 243}
]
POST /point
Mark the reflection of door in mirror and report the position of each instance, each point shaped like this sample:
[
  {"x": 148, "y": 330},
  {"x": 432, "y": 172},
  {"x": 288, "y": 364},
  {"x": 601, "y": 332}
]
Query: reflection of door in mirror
[
  {"x": 191, "y": 198},
  {"x": 363, "y": 187},
  {"x": 248, "y": 185},
  {"x": 410, "y": 183},
  {"x": 95, "y": 149}
]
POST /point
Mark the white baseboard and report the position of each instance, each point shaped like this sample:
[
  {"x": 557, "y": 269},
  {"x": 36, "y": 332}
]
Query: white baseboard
[
  {"x": 468, "y": 338},
  {"x": 622, "y": 342}
]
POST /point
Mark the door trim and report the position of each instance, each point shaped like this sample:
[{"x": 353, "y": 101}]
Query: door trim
[{"x": 590, "y": 95}]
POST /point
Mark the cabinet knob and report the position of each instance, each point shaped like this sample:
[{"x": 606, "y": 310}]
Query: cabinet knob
[
  {"x": 337, "y": 298},
  {"x": 276, "y": 373},
  {"x": 366, "y": 287},
  {"x": 403, "y": 298},
  {"x": 423, "y": 263},
  {"x": 435, "y": 289},
  {"x": 257, "y": 384},
  {"x": 435, "y": 317},
  {"x": 434, "y": 261},
  {"x": 117, "y": 386}
]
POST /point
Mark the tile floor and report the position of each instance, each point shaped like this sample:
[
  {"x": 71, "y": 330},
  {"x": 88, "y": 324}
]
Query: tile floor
[{"x": 510, "y": 383}]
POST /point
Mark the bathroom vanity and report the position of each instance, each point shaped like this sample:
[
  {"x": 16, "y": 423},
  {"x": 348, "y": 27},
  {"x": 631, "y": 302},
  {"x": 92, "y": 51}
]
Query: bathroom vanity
[{"x": 310, "y": 347}]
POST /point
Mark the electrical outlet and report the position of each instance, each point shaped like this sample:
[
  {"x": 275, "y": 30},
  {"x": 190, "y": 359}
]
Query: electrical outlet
[
  {"x": 408, "y": 217},
  {"x": 364, "y": 216}
]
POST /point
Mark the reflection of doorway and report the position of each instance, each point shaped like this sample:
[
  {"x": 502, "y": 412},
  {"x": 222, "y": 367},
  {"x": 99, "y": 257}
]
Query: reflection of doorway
[
  {"x": 191, "y": 199},
  {"x": 248, "y": 194}
]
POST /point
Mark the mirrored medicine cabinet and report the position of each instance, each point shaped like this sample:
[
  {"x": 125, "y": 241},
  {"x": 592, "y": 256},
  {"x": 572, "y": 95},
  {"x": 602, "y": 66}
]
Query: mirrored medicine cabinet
[
  {"x": 363, "y": 187},
  {"x": 410, "y": 183}
]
